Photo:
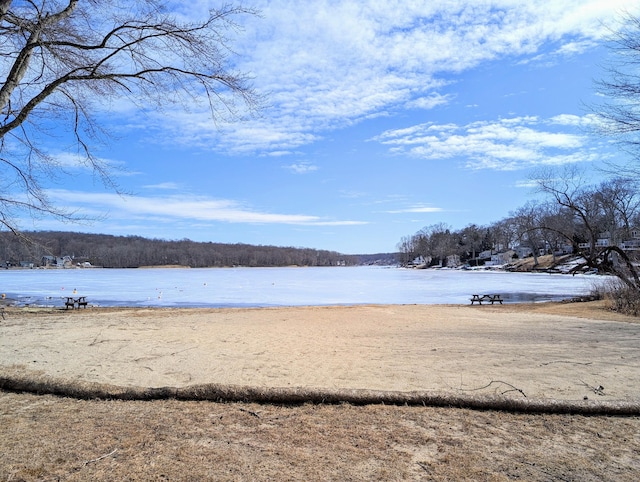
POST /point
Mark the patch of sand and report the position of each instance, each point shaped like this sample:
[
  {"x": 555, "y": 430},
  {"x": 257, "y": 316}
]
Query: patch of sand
[{"x": 551, "y": 350}]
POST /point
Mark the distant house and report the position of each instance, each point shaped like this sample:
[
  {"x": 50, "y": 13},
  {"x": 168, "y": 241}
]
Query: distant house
[
  {"x": 484, "y": 255},
  {"x": 57, "y": 261},
  {"x": 453, "y": 261},
  {"x": 26, "y": 264},
  {"x": 523, "y": 251},
  {"x": 419, "y": 261},
  {"x": 632, "y": 244},
  {"x": 604, "y": 241},
  {"x": 49, "y": 261},
  {"x": 501, "y": 258},
  {"x": 563, "y": 249}
]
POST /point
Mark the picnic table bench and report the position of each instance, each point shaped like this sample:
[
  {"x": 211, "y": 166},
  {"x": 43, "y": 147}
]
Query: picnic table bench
[
  {"x": 488, "y": 298},
  {"x": 71, "y": 302}
]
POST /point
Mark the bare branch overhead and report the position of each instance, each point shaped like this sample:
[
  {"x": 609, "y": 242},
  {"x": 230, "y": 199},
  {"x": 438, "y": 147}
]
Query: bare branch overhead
[{"x": 57, "y": 57}]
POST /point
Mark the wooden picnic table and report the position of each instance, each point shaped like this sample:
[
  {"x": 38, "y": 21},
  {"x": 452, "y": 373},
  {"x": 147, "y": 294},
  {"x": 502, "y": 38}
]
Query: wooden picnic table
[
  {"x": 488, "y": 298},
  {"x": 71, "y": 302}
]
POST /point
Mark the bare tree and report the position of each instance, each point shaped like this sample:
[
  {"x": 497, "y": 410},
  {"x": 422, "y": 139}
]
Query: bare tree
[
  {"x": 407, "y": 250},
  {"x": 58, "y": 56},
  {"x": 471, "y": 241},
  {"x": 441, "y": 242},
  {"x": 620, "y": 114},
  {"x": 528, "y": 221},
  {"x": 505, "y": 233},
  {"x": 590, "y": 220},
  {"x": 619, "y": 199}
]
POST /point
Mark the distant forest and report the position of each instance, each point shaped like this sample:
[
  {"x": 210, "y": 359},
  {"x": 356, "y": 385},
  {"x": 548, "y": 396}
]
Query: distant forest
[{"x": 108, "y": 251}]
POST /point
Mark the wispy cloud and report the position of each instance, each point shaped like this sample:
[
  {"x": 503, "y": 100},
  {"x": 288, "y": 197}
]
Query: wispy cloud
[
  {"x": 332, "y": 64},
  {"x": 588, "y": 121},
  {"x": 180, "y": 207},
  {"x": 505, "y": 144},
  {"x": 429, "y": 102},
  {"x": 170, "y": 186},
  {"x": 526, "y": 184},
  {"x": 301, "y": 167},
  {"x": 416, "y": 209},
  {"x": 71, "y": 161}
]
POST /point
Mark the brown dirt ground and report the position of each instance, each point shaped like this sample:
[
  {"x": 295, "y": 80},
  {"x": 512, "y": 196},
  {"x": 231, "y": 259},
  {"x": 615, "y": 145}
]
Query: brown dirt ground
[{"x": 43, "y": 437}]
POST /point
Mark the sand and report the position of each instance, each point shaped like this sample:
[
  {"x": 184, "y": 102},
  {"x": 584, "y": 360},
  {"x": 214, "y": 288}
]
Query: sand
[
  {"x": 545, "y": 351},
  {"x": 552, "y": 350}
]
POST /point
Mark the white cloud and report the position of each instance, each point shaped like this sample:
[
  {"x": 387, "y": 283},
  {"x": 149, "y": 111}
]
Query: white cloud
[
  {"x": 171, "y": 186},
  {"x": 506, "y": 144},
  {"x": 180, "y": 207},
  {"x": 301, "y": 168},
  {"x": 429, "y": 102},
  {"x": 333, "y": 63},
  {"x": 68, "y": 160},
  {"x": 279, "y": 153},
  {"x": 416, "y": 209},
  {"x": 588, "y": 120},
  {"x": 527, "y": 184}
]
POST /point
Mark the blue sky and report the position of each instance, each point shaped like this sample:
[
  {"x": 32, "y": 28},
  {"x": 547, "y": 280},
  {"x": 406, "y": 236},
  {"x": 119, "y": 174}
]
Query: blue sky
[{"x": 382, "y": 117}]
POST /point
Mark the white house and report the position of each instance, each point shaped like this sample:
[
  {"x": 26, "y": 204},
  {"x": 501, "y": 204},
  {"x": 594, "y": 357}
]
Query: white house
[
  {"x": 501, "y": 258},
  {"x": 523, "y": 251},
  {"x": 604, "y": 241},
  {"x": 632, "y": 244}
]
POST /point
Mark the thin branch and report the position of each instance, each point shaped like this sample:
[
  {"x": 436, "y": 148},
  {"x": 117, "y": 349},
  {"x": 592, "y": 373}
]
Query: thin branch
[
  {"x": 513, "y": 388},
  {"x": 565, "y": 361},
  {"x": 599, "y": 390},
  {"x": 113, "y": 452}
]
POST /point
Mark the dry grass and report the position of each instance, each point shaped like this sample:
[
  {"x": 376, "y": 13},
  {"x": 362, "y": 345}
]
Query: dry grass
[
  {"x": 596, "y": 310},
  {"x": 544, "y": 262},
  {"x": 49, "y": 438}
]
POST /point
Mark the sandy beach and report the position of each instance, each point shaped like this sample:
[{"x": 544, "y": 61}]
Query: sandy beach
[
  {"x": 552, "y": 352},
  {"x": 545, "y": 351}
]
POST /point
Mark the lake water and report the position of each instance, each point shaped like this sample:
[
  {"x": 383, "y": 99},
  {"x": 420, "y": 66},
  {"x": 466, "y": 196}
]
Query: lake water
[{"x": 261, "y": 287}]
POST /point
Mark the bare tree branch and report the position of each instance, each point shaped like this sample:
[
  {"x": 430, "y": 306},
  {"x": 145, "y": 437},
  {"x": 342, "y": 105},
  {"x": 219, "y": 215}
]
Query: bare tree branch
[
  {"x": 620, "y": 113},
  {"x": 599, "y": 210},
  {"x": 59, "y": 55}
]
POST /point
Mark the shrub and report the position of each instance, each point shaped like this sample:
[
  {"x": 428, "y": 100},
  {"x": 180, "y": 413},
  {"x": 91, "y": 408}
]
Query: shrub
[{"x": 621, "y": 297}]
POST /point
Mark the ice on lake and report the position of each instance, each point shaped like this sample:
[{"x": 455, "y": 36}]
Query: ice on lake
[{"x": 260, "y": 287}]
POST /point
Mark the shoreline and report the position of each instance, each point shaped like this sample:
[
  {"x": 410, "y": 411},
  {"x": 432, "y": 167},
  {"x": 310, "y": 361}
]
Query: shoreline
[{"x": 582, "y": 306}]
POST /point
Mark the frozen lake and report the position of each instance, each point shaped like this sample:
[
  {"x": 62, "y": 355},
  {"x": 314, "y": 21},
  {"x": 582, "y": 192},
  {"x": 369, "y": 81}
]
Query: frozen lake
[{"x": 258, "y": 287}]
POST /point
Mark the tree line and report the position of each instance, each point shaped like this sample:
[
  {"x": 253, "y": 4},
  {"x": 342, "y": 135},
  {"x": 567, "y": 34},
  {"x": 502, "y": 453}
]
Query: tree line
[
  {"x": 599, "y": 223},
  {"x": 134, "y": 251},
  {"x": 570, "y": 218}
]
